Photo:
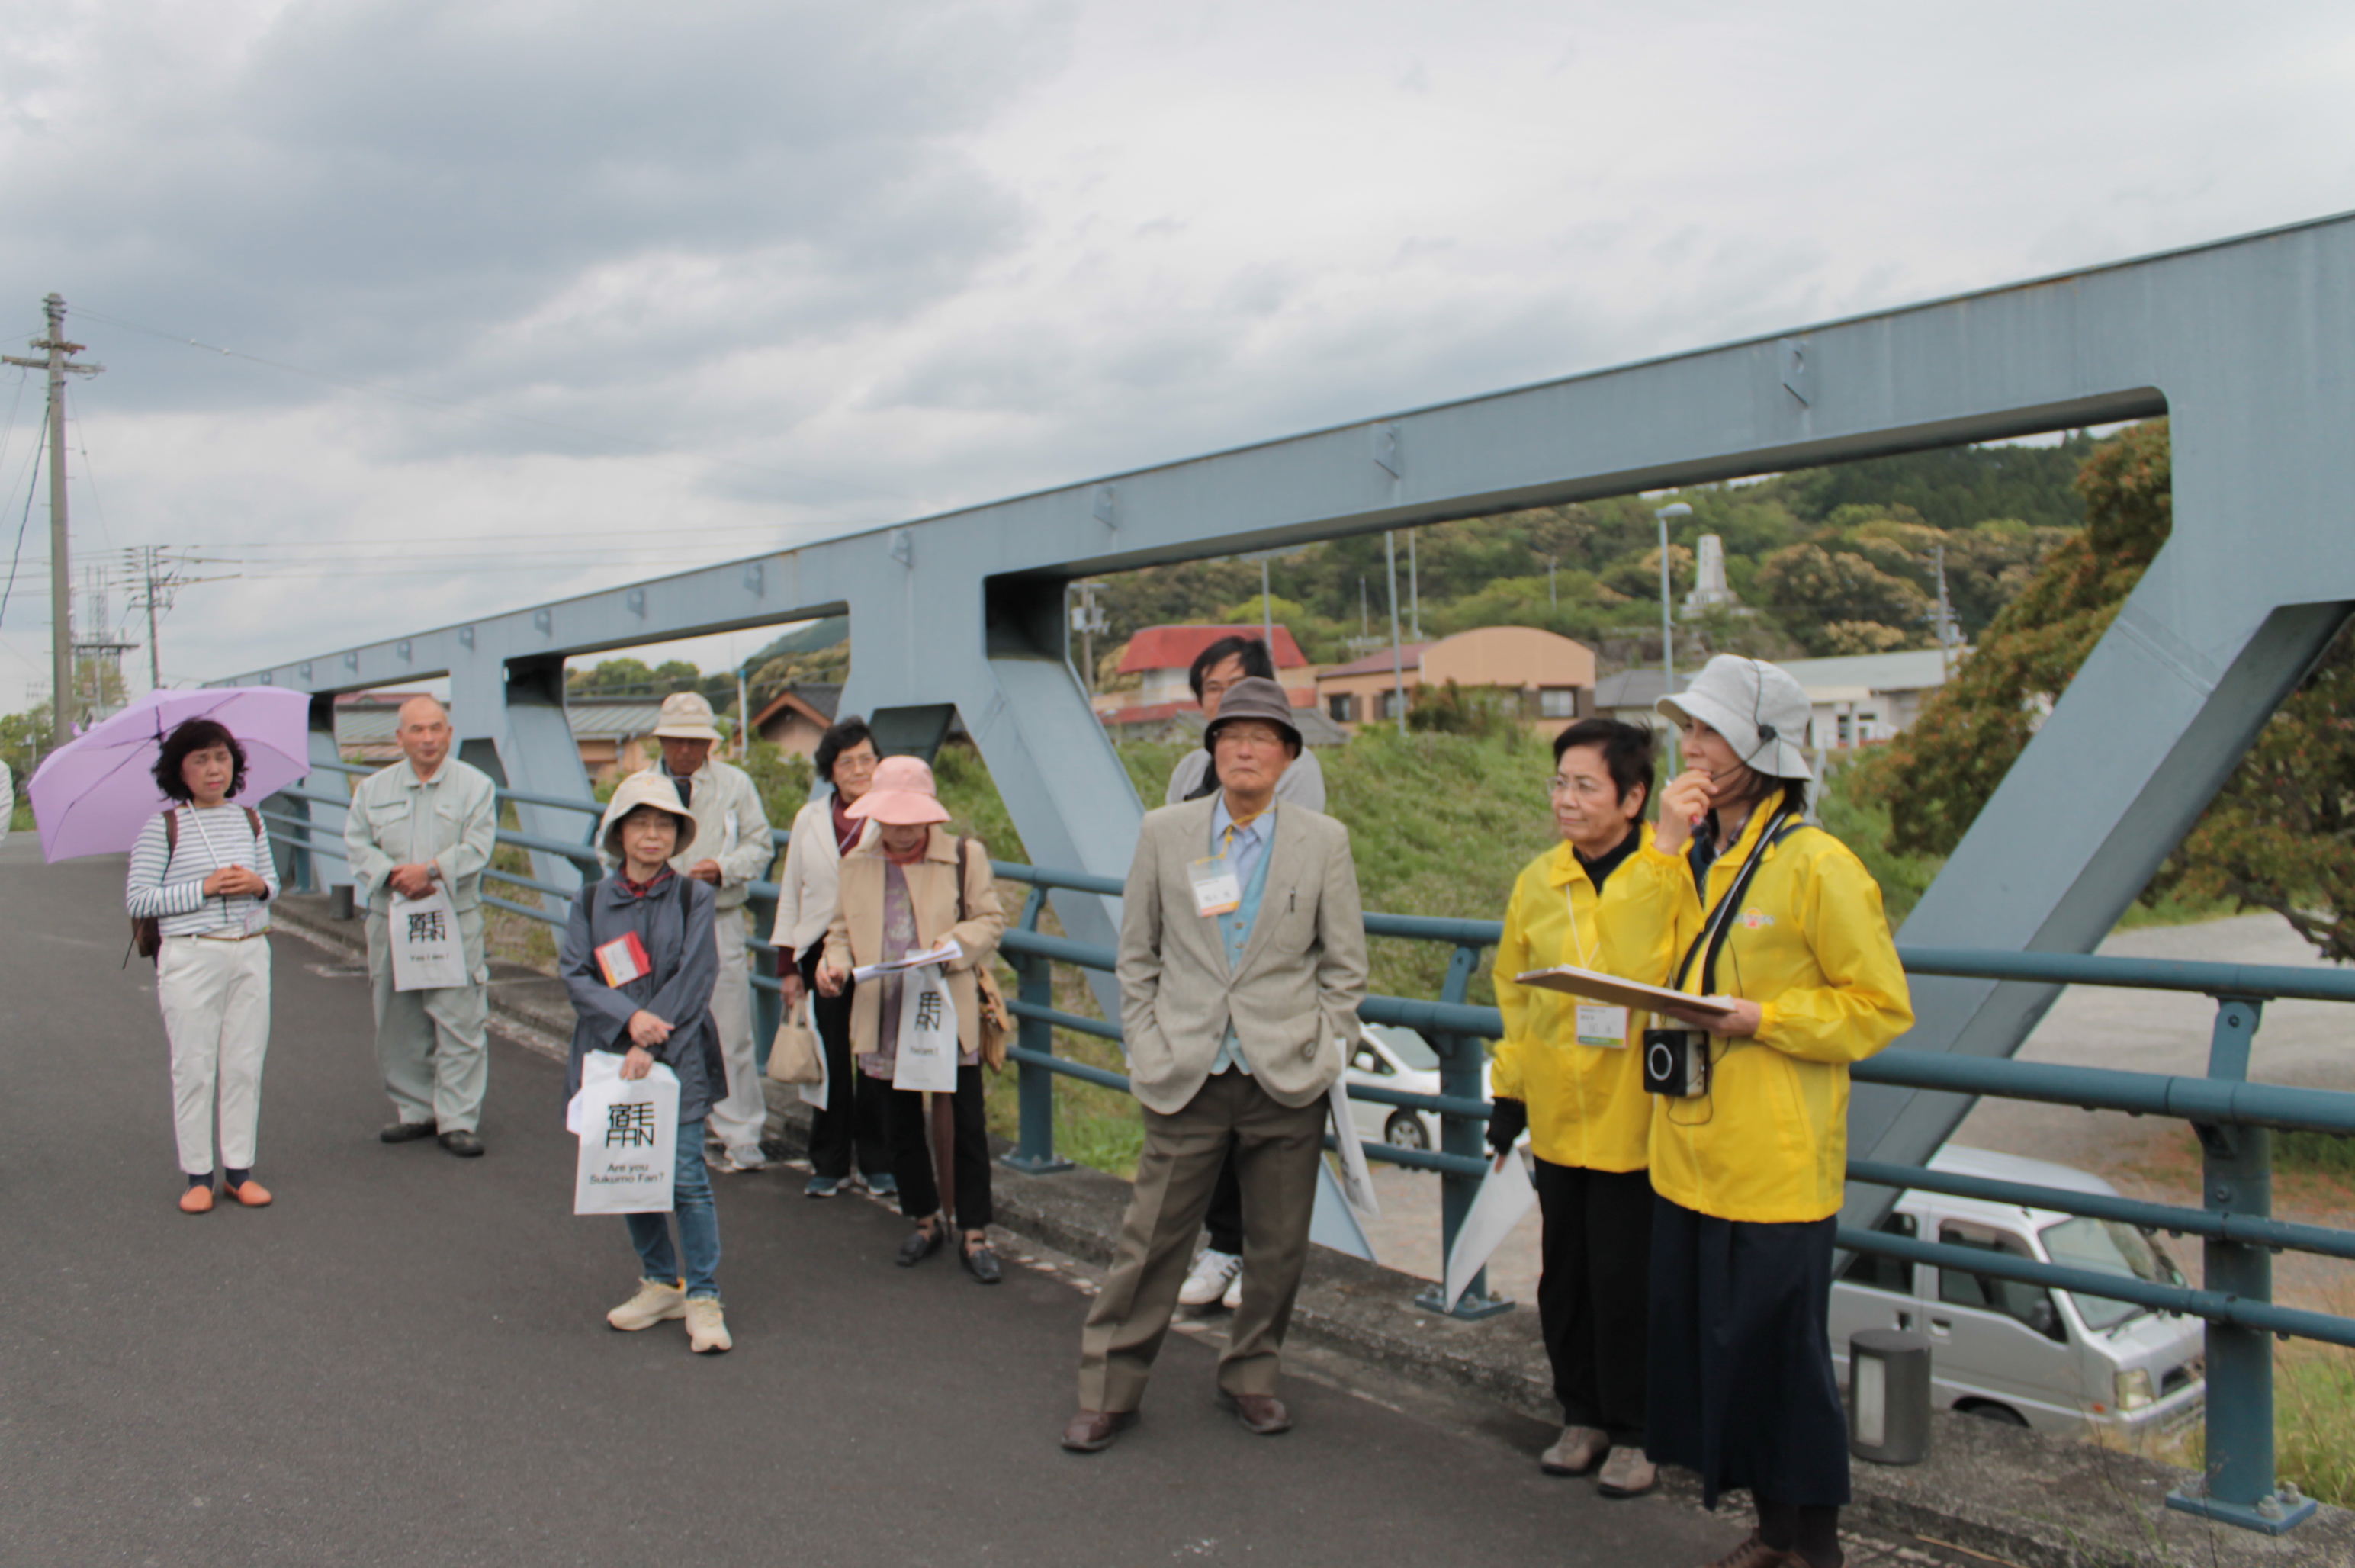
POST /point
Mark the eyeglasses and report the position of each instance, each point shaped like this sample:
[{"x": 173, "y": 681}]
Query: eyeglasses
[
  {"x": 857, "y": 764},
  {"x": 1561, "y": 786}
]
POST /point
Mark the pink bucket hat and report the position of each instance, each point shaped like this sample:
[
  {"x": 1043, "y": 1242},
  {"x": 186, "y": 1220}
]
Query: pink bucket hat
[{"x": 902, "y": 794}]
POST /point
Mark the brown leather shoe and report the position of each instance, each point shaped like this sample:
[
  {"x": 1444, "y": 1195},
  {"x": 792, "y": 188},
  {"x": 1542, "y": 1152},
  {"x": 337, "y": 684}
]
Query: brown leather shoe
[
  {"x": 197, "y": 1201},
  {"x": 1262, "y": 1415},
  {"x": 253, "y": 1194},
  {"x": 1092, "y": 1431},
  {"x": 1756, "y": 1554}
]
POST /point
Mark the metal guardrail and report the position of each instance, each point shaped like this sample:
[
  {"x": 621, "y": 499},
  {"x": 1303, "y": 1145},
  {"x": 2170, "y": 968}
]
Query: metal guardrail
[{"x": 2231, "y": 1117}]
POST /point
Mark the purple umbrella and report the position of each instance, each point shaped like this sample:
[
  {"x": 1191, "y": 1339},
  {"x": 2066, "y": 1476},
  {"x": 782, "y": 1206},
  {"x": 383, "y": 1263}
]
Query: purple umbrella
[{"x": 93, "y": 795}]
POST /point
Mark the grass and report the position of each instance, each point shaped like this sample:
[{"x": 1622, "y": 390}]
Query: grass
[{"x": 2319, "y": 1154}]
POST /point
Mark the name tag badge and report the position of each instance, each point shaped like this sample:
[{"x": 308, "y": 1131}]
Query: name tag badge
[
  {"x": 624, "y": 959},
  {"x": 1603, "y": 1025},
  {"x": 1217, "y": 888}
]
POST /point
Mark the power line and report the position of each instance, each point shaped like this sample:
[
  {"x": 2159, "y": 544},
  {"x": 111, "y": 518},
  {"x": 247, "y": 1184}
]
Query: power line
[{"x": 21, "y": 524}]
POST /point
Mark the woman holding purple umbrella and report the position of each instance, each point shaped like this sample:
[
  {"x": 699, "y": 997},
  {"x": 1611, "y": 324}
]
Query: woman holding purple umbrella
[{"x": 203, "y": 872}]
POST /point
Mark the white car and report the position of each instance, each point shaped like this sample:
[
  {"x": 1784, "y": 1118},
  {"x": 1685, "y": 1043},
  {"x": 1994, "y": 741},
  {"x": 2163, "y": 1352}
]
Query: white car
[
  {"x": 1400, "y": 1059},
  {"x": 2019, "y": 1353}
]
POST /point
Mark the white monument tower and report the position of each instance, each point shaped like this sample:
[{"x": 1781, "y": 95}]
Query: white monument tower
[{"x": 1709, "y": 587}]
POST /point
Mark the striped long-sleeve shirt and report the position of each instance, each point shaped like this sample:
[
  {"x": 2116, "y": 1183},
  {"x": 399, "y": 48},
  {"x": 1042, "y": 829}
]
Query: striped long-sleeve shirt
[{"x": 168, "y": 886}]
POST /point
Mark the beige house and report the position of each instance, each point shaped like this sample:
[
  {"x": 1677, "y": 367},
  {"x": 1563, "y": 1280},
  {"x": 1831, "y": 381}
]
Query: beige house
[{"x": 1553, "y": 675}]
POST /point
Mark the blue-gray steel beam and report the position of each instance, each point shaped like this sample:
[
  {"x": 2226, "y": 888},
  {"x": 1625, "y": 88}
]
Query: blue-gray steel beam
[{"x": 2245, "y": 342}]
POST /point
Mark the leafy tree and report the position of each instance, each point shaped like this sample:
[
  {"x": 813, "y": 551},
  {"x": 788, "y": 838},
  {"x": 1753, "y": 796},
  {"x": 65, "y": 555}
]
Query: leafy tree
[
  {"x": 1479, "y": 711},
  {"x": 1839, "y": 602},
  {"x": 1937, "y": 775},
  {"x": 2281, "y": 834}
]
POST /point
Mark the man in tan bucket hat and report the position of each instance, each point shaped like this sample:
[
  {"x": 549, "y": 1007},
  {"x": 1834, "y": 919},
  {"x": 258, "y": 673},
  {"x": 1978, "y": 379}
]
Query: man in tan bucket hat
[{"x": 731, "y": 850}]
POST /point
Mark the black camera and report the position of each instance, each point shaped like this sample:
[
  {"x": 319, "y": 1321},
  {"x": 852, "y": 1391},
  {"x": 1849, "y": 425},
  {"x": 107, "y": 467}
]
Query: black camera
[{"x": 1676, "y": 1063}]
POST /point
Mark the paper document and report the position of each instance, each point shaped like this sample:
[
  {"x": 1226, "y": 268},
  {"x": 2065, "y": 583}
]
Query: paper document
[
  {"x": 1504, "y": 1197},
  {"x": 945, "y": 953},
  {"x": 1357, "y": 1181},
  {"x": 1597, "y": 987}
]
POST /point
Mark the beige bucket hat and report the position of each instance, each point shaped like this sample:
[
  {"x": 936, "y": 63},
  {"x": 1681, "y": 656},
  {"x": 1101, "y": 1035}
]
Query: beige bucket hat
[
  {"x": 647, "y": 788},
  {"x": 687, "y": 715},
  {"x": 1760, "y": 708}
]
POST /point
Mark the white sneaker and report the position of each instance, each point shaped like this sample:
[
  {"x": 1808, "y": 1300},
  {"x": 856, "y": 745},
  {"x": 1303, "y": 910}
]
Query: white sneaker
[
  {"x": 707, "y": 1328},
  {"x": 1234, "y": 1298},
  {"x": 655, "y": 1302},
  {"x": 1213, "y": 1275},
  {"x": 749, "y": 1158}
]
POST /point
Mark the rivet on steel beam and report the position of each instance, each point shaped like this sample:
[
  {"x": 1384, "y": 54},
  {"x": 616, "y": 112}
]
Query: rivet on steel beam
[
  {"x": 406, "y": 653},
  {"x": 544, "y": 622},
  {"x": 637, "y": 603},
  {"x": 1386, "y": 451},
  {"x": 753, "y": 577},
  {"x": 1105, "y": 505},
  {"x": 903, "y": 546},
  {"x": 1794, "y": 355},
  {"x": 466, "y": 638},
  {"x": 307, "y": 675},
  {"x": 269, "y": 678},
  {"x": 352, "y": 660}
]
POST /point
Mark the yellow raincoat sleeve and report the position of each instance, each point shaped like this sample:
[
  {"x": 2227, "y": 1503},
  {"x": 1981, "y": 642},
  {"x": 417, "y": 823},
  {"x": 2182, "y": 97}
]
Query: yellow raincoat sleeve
[
  {"x": 1864, "y": 1002},
  {"x": 1504, "y": 1081}
]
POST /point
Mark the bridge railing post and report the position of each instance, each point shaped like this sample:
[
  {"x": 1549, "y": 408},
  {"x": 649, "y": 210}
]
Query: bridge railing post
[
  {"x": 2236, "y": 1179},
  {"x": 1461, "y": 1058},
  {"x": 1034, "y": 1151}
]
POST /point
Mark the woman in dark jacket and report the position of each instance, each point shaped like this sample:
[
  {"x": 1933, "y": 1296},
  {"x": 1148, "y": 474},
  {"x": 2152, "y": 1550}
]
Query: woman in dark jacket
[{"x": 664, "y": 1015}]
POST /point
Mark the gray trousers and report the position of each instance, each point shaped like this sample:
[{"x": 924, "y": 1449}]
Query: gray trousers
[
  {"x": 736, "y": 1117},
  {"x": 1276, "y": 1149},
  {"x": 430, "y": 1045}
]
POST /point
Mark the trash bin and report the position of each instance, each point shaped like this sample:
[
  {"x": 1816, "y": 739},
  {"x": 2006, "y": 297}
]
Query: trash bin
[{"x": 1889, "y": 1396}]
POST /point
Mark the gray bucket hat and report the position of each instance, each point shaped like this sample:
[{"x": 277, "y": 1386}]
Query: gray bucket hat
[
  {"x": 1760, "y": 708},
  {"x": 1255, "y": 697}
]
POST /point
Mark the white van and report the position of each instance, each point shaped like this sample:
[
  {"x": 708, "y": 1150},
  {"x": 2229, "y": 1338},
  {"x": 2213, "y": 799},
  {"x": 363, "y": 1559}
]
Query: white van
[{"x": 2019, "y": 1353}]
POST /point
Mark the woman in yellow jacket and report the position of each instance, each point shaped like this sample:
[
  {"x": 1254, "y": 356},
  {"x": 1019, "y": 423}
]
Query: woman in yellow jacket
[
  {"x": 1572, "y": 1074},
  {"x": 1749, "y": 1156}
]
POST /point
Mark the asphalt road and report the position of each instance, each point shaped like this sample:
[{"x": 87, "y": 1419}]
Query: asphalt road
[{"x": 405, "y": 1360}]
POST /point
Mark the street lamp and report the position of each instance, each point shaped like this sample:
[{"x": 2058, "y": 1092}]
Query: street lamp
[{"x": 1667, "y": 636}]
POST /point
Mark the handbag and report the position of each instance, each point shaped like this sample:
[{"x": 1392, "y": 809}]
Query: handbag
[
  {"x": 995, "y": 1026},
  {"x": 793, "y": 1054},
  {"x": 146, "y": 931}
]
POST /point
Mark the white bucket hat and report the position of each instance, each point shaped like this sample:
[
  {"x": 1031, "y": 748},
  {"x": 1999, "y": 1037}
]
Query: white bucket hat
[
  {"x": 1760, "y": 708},
  {"x": 687, "y": 715},
  {"x": 647, "y": 788}
]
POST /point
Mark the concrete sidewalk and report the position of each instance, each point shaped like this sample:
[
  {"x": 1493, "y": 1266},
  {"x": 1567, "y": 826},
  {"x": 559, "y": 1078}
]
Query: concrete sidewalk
[{"x": 405, "y": 1361}]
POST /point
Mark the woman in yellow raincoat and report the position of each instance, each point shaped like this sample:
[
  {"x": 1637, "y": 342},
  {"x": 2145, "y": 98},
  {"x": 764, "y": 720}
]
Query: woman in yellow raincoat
[
  {"x": 1749, "y": 1160},
  {"x": 1571, "y": 1073}
]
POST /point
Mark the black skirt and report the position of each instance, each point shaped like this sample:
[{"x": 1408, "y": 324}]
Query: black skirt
[{"x": 1741, "y": 1389}]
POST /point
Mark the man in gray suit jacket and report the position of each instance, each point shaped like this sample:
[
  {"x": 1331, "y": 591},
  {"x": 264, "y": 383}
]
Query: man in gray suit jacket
[{"x": 1242, "y": 960}]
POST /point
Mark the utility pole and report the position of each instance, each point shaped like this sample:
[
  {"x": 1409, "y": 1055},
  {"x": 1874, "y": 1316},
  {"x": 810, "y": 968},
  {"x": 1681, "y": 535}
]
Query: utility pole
[
  {"x": 1552, "y": 598},
  {"x": 1667, "y": 632},
  {"x": 1414, "y": 588},
  {"x": 1087, "y": 620},
  {"x": 1398, "y": 666},
  {"x": 147, "y": 561},
  {"x": 61, "y": 564},
  {"x": 1945, "y": 622}
]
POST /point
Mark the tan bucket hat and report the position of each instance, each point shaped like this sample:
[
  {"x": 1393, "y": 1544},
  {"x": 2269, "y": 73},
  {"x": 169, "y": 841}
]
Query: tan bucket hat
[
  {"x": 687, "y": 715},
  {"x": 647, "y": 788}
]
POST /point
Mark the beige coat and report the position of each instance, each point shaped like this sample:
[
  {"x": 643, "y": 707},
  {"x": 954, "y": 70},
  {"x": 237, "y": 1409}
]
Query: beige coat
[
  {"x": 855, "y": 936},
  {"x": 807, "y": 888},
  {"x": 1293, "y": 1000}
]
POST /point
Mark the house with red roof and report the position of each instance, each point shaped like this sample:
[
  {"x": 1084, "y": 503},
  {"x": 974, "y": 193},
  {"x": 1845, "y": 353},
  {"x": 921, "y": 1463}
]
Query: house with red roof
[{"x": 1161, "y": 656}]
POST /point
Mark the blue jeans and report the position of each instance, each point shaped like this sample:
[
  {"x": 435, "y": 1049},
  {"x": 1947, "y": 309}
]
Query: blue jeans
[{"x": 699, "y": 1223}]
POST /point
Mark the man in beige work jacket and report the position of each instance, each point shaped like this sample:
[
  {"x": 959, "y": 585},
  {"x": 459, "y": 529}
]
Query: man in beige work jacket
[
  {"x": 427, "y": 822},
  {"x": 730, "y": 851}
]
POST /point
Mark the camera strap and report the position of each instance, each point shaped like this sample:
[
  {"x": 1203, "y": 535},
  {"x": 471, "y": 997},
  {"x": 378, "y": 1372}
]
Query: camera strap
[{"x": 1720, "y": 919}]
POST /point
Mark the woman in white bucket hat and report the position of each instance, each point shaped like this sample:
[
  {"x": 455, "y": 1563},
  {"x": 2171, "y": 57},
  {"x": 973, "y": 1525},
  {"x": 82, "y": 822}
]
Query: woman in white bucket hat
[{"x": 1749, "y": 1145}]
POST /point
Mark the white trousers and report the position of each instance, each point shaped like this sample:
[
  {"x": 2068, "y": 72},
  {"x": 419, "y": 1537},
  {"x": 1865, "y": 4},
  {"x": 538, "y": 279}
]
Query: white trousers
[
  {"x": 737, "y": 1115},
  {"x": 216, "y": 1001}
]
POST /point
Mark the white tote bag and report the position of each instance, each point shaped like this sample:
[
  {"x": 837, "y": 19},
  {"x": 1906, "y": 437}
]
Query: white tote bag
[
  {"x": 928, "y": 1034},
  {"x": 427, "y": 952},
  {"x": 629, "y": 1138}
]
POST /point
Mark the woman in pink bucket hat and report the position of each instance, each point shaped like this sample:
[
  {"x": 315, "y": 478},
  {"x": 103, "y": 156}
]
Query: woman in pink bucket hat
[{"x": 908, "y": 889}]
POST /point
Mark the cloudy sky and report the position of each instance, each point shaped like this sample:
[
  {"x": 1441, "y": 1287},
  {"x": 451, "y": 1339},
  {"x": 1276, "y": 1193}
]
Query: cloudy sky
[{"x": 547, "y": 296}]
